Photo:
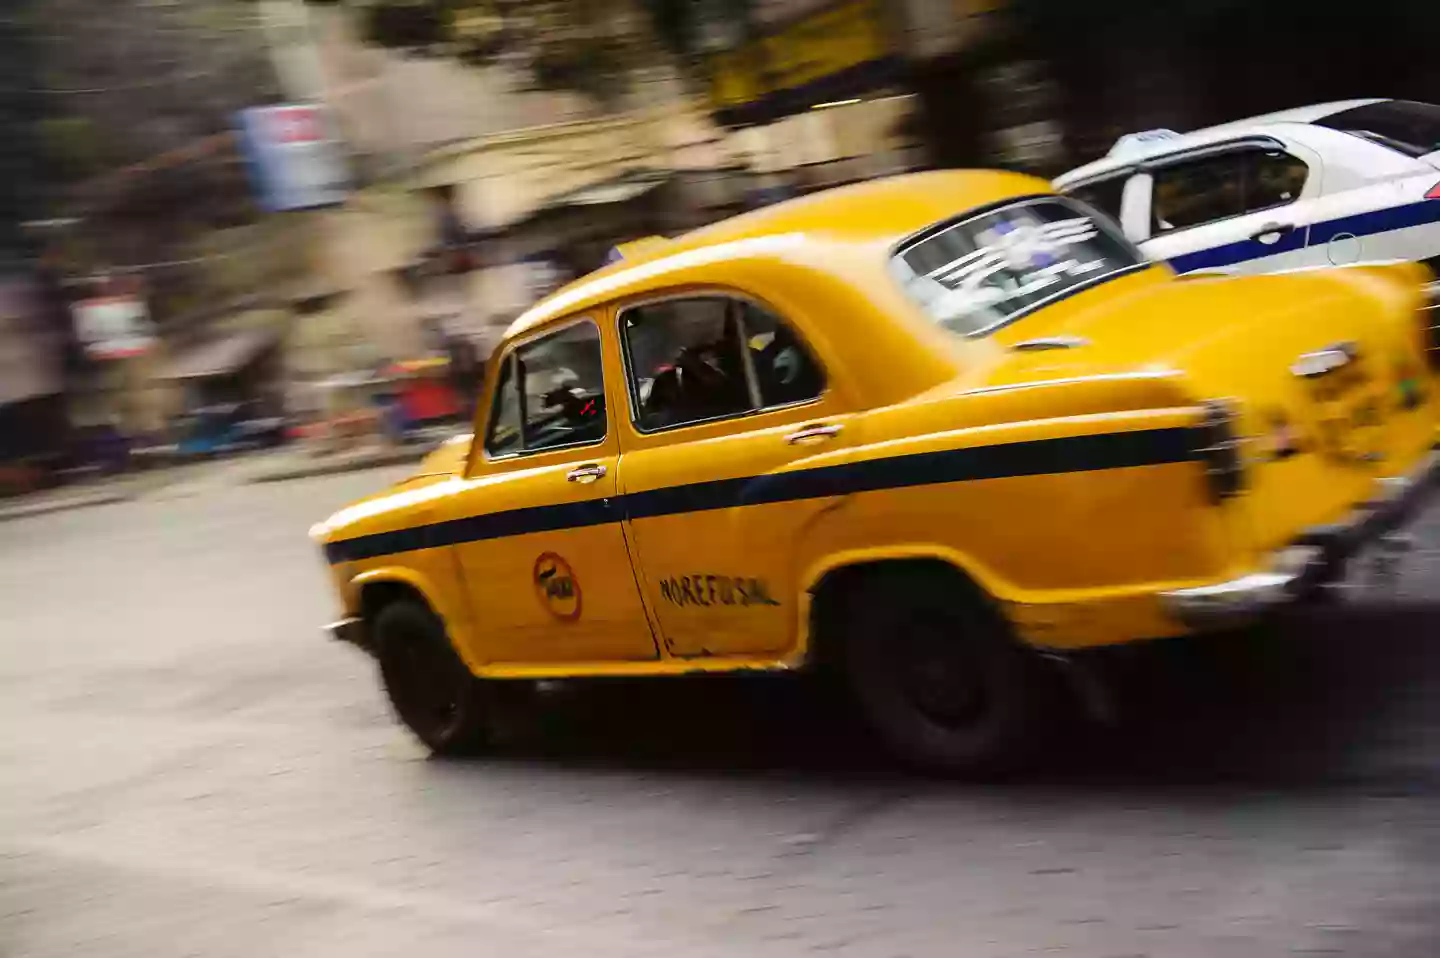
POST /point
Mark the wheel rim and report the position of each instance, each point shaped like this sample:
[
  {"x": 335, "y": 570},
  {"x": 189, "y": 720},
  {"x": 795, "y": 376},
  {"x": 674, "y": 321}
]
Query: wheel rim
[
  {"x": 939, "y": 676},
  {"x": 427, "y": 685}
]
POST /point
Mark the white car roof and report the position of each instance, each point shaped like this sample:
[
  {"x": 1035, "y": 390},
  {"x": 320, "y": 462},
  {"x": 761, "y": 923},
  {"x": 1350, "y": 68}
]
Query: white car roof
[{"x": 1131, "y": 149}]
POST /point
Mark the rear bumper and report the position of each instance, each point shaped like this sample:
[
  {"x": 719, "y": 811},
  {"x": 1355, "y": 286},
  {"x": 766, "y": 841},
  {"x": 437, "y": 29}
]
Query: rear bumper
[
  {"x": 1314, "y": 559},
  {"x": 350, "y": 630}
]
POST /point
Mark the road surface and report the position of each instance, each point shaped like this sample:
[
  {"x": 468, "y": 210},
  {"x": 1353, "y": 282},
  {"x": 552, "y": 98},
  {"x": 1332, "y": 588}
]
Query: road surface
[{"x": 188, "y": 768}]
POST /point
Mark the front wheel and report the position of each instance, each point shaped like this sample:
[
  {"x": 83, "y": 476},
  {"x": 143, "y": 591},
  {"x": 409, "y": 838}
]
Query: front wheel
[
  {"x": 430, "y": 688},
  {"x": 939, "y": 677}
]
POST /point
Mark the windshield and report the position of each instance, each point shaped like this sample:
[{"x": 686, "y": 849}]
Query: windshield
[
  {"x": 985, "y": 271},
  {"x": 1406, "y": 127}
]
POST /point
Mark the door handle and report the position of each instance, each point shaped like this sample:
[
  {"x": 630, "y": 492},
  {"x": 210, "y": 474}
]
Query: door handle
[
  {"x": 586, "y": 474},
  {"x": 823, "y": 430},
  {"x": 1277, "y": 229}
]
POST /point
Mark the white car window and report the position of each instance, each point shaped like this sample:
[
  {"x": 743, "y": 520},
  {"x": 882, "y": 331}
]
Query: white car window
[
  {"x": 1212, "y": 188},
  {"x": 1409, "y": 128}
]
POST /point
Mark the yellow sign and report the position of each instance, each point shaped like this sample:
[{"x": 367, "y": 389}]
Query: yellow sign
[{"x": 815, "y": 47}]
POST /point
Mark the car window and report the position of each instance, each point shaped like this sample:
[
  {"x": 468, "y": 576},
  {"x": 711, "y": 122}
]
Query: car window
[
  {"x": 701, "y": 358},
  {"x": 1402, "y": 125},
  {"x": 503, "y": 437},
  {"x": 551, "y": 393},
  {"x": 1211, "y": 188},
  {"x": 1105, "y": 195},
  {"x": 979, "y": 273},
  {"x": 785, "y": 370}
]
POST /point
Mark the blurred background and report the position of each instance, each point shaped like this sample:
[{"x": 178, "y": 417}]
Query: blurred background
[
  {"x": 244, "y": 241},
  {"x": 228, "y": 225}
]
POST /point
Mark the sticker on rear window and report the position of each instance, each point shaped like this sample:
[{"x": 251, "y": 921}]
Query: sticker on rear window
[{"x": 985, "y": 271}]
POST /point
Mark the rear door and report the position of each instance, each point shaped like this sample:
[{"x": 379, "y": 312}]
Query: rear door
[
  {"x": 731, "y": 413},
  {"x": 1238, "y": 210}
]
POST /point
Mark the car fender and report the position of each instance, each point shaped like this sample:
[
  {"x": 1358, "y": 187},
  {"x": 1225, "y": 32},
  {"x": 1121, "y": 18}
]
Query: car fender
[
  {"x": 446, "y": 603},
  {"x": 816, "y": 572}
]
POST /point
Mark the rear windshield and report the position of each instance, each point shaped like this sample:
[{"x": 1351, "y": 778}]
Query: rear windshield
[
  {"x": 984, "y": 271},
  {"x": 1404, "y": 126}
]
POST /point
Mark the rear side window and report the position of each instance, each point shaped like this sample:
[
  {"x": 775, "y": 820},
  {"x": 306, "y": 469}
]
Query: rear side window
[
  {"x": 1217, "y": 187},
  {"x": 701, "y": 358},
  {"x": 1402, "y": 125},
  {"x": 1103, "y": 195}
]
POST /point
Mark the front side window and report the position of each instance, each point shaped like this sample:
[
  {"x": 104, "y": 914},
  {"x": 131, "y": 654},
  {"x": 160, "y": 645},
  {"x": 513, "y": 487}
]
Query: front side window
[
  {"x": 1404, "y": 126},
  {"x": 702, "y": 358},
  {"x": 1211, "y": 188},
  {"x": 985, "y": 271},
  {"x": 550, "y": 394}
]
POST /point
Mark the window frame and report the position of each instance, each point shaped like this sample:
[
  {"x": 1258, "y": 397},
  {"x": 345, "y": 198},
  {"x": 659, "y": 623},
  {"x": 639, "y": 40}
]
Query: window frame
[
  {"x": 511, "y": 357},
  {"x": 1231, "y": 149},
  {"x": 752, "y": 382}
]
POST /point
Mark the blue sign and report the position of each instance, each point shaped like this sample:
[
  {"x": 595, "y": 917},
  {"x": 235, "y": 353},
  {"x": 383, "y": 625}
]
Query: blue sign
[{"x": 296, "y": 160}]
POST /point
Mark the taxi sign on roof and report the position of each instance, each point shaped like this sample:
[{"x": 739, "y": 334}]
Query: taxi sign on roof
[{"x": 1132, "y": 143}]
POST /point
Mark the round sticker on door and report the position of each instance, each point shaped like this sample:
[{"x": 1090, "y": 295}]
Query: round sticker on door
[{"x": 556, "y": 587}]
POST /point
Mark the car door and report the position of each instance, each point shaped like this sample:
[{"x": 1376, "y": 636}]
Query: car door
[
  {"x": 1234, "y": 210},
  {"x": 541, "y": 547},
  {"x": 730, "y": 413}
]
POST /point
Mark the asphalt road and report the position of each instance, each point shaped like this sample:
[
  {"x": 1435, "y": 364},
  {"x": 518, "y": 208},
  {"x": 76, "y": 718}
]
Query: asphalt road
[{"x": 188, "y": 768}]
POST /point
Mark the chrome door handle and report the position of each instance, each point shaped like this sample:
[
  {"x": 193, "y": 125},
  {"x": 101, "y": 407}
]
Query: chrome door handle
[
  {"x": 585, "y": 474},
  {"x": 824, "y": 430}
]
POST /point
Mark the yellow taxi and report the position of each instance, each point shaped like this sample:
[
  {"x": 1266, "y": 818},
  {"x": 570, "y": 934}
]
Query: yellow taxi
[{"x": 932, "y": 432}]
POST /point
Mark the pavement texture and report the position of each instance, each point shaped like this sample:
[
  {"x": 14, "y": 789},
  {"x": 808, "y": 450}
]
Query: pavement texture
[
  {"x": 301, "y": 464},
  {"x": 188, "y": 768}
]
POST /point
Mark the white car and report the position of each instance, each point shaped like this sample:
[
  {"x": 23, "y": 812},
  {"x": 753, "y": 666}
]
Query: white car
[{"x": 1332, "y": 184}]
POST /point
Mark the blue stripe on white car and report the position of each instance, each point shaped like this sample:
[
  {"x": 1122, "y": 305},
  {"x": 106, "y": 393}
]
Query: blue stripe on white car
[{"x": 1424, "y": 213}]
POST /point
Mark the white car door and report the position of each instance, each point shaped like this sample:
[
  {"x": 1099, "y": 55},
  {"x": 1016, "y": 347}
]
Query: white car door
[{"x": 1235, "y": 209}]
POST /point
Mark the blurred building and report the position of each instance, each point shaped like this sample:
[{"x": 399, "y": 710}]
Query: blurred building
[
  {"x": 814, "y": 93},
  {"x": 33, "y": 421}
]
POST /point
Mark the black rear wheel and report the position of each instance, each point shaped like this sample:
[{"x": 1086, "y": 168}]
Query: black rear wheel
[
  {"x": 939, "y": 677},
  {"x": 431, "y": 689}
]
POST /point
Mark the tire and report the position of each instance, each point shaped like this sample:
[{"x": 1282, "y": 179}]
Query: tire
[
  {"x": 432, "y": 691},
  {"x": 939, "y": 677}
]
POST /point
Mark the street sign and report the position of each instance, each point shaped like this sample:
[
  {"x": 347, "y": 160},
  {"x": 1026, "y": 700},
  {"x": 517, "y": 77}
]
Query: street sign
[{"x": 296, "y": 159}]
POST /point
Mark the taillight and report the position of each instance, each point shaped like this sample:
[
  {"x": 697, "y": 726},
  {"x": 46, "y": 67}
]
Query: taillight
[
  {"x": 1434, "y": 193},
  {"x": 1218, "y": 449},
  {"x": 1430, "y": 319}
]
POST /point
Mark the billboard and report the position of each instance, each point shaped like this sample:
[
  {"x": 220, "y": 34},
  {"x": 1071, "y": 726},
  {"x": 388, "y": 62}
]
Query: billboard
[
  {"x": 297, "y": 161},
  {"x": 113, "y": 327}
]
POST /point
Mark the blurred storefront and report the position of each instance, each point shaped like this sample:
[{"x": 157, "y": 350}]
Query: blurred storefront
[
  {"x": 552, "y": 201},
  {"x": 33, "y": 419}
]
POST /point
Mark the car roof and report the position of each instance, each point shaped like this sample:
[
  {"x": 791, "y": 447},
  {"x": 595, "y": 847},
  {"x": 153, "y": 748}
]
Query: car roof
[
  {"x": 1163, "y": 145},
  {"x": 879, "y": 213}
]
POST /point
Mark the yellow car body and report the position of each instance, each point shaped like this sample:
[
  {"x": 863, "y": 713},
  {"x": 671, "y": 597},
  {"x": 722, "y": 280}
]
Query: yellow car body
[{"x": 1138, "y": 458}]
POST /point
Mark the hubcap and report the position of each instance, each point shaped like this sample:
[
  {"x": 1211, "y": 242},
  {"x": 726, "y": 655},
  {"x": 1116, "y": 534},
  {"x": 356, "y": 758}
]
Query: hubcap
[{"x": 939, "y": 676}]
